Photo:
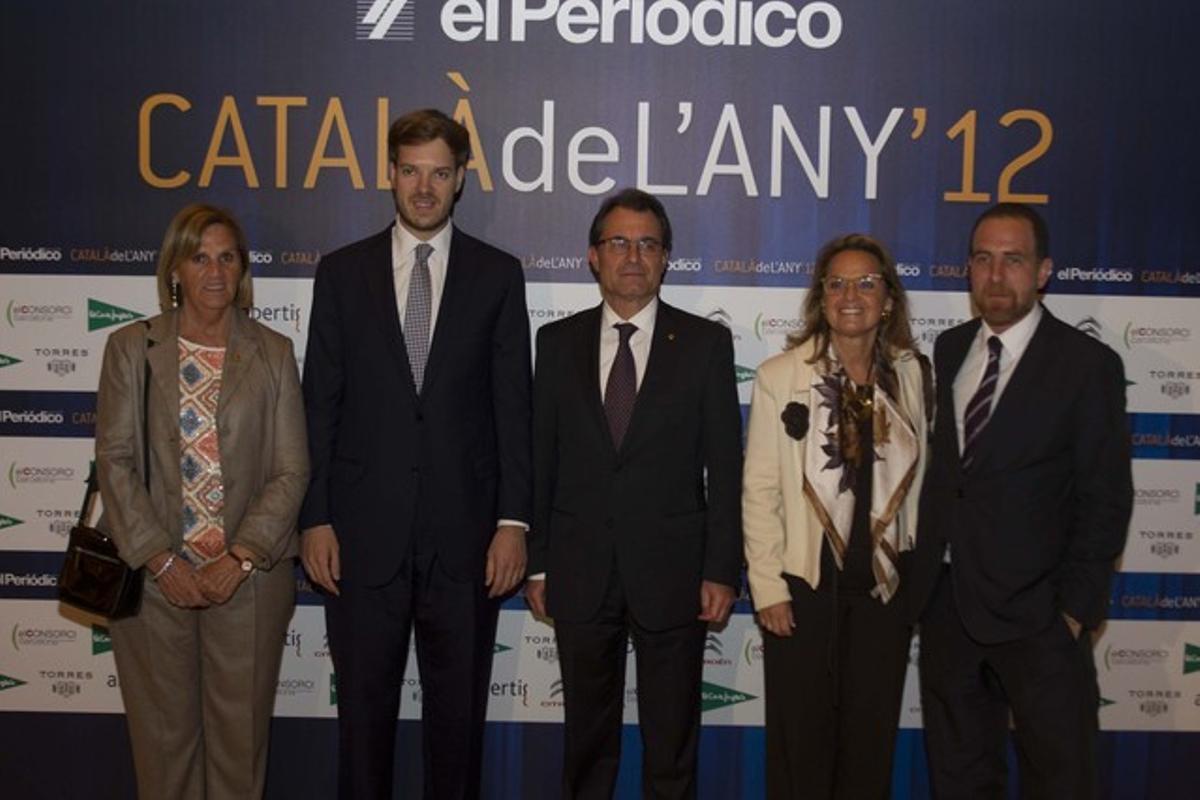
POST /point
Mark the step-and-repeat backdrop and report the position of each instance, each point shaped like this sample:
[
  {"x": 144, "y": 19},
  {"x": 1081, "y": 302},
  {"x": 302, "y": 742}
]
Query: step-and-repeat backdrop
[{"x": 767, "y": 127}]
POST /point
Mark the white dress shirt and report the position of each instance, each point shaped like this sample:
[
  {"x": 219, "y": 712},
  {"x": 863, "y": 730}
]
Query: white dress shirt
[
  {"x": 404, "y": 255},
  {"x": 639, "y": 341},
  {"x": 610, "y": 340},
  {"x": 1013, "y": 343}
]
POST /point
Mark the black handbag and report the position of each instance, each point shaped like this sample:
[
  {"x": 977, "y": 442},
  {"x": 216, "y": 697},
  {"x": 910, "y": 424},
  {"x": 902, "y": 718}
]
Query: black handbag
[{"x": 93, "y": 576}]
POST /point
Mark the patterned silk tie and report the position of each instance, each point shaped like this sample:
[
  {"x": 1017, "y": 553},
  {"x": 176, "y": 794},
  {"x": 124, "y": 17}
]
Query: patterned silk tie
[
  {"x": 980, "y": 406},
  {"x": 621, "y": 389},
  {"x": 417, "y": 314}
]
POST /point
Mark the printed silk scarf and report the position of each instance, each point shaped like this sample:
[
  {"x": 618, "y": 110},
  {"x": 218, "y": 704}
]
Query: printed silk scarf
[{"x": 832, "y": 460}]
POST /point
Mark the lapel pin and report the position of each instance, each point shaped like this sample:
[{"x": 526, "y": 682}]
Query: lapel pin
[{"x": 670, "y": 337}]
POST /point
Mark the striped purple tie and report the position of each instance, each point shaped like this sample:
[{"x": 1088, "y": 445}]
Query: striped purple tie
[
  {"x": 621, "y": 389},
  {"x": 980, "y": 406}
]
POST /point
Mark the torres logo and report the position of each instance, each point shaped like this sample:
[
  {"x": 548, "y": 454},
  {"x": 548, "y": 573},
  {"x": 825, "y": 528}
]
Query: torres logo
[
  {"x": 390, "y": 20},
  {"x": 713, "y": 696},
  {"x": 103, "y": 315},
  {"x": 8, "y": 361}
]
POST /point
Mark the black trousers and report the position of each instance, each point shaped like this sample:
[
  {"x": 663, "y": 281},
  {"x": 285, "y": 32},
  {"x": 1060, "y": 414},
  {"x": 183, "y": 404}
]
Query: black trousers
[
  {"x": 669, "y": 664},
  {"x": 1047, "y": 681},
  {"x": 833, "y": 692},
  {"x": 369, "y": 627}
]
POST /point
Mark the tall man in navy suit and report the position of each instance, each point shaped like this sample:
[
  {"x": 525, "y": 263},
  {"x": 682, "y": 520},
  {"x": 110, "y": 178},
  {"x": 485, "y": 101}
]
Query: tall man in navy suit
[
  {"x": 417, "y": 385},
  {"x": 1023, "y": 514},
  {"x": 637, "y": 504}
]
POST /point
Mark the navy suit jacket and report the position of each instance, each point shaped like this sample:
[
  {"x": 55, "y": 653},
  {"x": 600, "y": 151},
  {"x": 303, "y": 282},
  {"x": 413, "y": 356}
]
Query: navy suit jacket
[
  {"x": 1036, "y": 524},
  {"x": 455, "y": 458},
  {"x": 665, "y": 508}
]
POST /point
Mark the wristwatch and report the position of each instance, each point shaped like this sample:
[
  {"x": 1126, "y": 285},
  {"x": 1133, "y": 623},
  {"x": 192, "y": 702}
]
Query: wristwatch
[{"x": 246, "y": 565}]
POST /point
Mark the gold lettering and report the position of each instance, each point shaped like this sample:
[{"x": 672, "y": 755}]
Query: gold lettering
[
  {"x": 349, "y": 161},
  {"x": 144, "y": 167},
  {"x": 281, "y": 105},
  {"x": 228, "y": 117}
]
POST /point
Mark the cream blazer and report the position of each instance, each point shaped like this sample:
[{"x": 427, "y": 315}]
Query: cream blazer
[
  {"x": 260, "y": 422},
  {"x": 782, "y": 534}
]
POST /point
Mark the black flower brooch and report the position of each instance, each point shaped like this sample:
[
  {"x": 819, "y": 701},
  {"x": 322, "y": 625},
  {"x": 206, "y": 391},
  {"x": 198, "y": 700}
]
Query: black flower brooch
[{"x": 795, "y": 420}]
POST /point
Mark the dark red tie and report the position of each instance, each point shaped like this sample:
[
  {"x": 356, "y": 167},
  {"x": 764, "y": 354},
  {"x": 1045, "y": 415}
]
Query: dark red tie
[
  {"x": 621, "y": 389},
  {"x": 979, "y": 408}
]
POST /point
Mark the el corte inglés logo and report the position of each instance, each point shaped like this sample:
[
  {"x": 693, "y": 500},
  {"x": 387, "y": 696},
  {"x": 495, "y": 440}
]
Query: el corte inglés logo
[
  {"x": 8, "y": 361},
  {"x": 101, "y": 640},
  {"x": 7, "y": 682},
  {"x": 9, "y": 522},
  {"x": 713, "y": 696},
  {"x": 500, "y": 648},
  {"x": 104, "y": 315},
  {"x": 1191, "y": 658}
]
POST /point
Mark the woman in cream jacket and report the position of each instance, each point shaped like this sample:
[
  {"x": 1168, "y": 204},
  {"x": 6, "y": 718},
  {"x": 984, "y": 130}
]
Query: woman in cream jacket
[{"x": 834, "y": 457}]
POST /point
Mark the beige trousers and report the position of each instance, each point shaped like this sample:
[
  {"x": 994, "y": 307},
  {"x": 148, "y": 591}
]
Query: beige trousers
[{"x": 199, "y": 688}]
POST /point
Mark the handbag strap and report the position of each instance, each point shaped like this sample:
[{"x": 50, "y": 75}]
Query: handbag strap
[{"x": 92, "y": 483}]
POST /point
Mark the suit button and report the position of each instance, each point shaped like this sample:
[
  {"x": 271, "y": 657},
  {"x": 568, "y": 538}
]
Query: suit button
[
  {"x": 420, "y": 417},
  {"x": 959, "y": 493},
  {"x": 608, "y": 523}
]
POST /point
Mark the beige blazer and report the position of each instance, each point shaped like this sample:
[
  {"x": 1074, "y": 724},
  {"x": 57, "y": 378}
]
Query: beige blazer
[
  {"x": 260, "y": 422},
  {"x": 782, "y": 534}
]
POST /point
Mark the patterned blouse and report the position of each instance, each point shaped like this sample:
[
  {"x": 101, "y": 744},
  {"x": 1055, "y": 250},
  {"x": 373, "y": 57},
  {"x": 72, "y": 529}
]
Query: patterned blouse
[{"x": 199, "y": 456}]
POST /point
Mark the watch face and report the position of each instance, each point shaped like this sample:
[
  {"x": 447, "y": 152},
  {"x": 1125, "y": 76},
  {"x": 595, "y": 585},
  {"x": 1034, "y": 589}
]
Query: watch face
[{"x": 247, "y": 565}]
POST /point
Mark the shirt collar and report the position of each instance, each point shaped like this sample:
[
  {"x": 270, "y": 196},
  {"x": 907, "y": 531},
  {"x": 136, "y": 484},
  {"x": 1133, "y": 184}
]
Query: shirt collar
[
  {"x": 406, "y": 243},
  {"x": 1016, "y": 338},
  {"x": 644, "y": 319}
]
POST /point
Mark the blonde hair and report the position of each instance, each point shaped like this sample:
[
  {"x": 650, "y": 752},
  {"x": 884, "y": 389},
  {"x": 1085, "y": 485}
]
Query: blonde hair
[
  {"x": 895, "y": 332},
  {"x": 182, "y": 240}
]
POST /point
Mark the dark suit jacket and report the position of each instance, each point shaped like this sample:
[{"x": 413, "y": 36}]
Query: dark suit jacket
[
  {"x": 646, "y": 506},
  {"x": 1036, "y": 524},
  {"x": 457, "y": 457}
]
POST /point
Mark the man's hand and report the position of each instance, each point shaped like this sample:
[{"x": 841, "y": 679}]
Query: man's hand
[
  {"x": 319, "y": 554},
  {"x": 219, "y": 579},
  {"x": 178, "y": 584},
  {"x": 716, "y": 600},
  {"x": 777, "y": 619},
  {"x": 505, "y": 560},
  {"x": 535, "y": 596},
  {"x": 1076, "y": 627}
]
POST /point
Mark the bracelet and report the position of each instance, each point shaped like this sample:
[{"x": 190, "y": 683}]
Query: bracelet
[{"x": 164, "y": 567}]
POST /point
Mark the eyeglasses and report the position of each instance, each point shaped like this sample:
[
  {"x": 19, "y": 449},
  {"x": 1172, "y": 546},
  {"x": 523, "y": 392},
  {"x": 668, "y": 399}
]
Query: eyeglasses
[
  {"x": 619, "y": 246},
  {"x": 836, "y": 284}
]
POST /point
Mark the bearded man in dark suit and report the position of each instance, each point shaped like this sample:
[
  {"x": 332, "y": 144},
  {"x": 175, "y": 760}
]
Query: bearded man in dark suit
[{"x": 1023, "y": 514}]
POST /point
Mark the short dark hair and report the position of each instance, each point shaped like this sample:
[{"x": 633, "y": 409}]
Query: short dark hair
[
  {"x": 1041, "y": 234},
  {"x": 426, "y": 125},
  {"x": 633, "y": 200}
]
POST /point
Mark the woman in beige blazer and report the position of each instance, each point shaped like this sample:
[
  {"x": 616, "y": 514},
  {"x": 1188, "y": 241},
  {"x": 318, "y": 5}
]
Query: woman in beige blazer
[
  {"x": 834, "y": 457},
  {"x": 211, "y": 516}
]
